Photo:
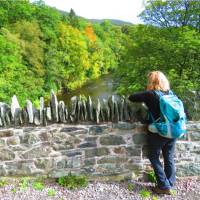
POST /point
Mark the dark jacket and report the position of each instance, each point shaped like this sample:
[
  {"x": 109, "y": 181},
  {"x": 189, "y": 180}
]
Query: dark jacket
[{"x": 151, "y": 99}]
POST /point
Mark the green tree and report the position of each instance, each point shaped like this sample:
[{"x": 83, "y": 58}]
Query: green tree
[
  {"x": 172, "y": 13},
  {"x": 32, "y": 46},
  {"x": 15, "y": 78},
  {"x": 175, "y": 52},
  {"x": 73, "y": 19}
]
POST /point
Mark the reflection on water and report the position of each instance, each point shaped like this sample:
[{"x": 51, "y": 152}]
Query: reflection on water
[{"x": 98, "y": 88}]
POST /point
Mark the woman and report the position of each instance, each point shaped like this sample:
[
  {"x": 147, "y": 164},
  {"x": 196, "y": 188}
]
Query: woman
[{"x": 165, "y": 176}]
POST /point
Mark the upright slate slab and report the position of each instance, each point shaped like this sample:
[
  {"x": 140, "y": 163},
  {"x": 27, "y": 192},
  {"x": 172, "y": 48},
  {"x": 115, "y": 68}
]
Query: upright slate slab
[
  {"x": 61, "y": 111},
  {"x": 5, "y": 114},
  {"x": 29, "y": 108},
  {"x": 54, "y": 107},
  {"x": 41, "y": 110},
  {"x": 74, "y": 108},
  {"x": 90, "y": 109},
  {"x": 98, "y": 108},
  {"x": 15, "y": 110}
]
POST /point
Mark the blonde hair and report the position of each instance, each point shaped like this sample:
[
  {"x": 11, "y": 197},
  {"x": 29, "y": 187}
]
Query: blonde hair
[{"x": 157, "y": 81}]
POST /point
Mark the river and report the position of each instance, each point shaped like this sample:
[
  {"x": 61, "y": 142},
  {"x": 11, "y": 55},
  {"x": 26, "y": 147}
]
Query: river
[{"x": 103, "y": 87}]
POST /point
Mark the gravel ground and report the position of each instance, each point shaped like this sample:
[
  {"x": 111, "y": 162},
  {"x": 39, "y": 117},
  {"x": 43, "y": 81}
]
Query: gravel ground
[{"x": 186, "y": 189}]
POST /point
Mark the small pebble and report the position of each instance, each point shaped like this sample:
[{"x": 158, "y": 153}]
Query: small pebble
[{"x": 100, "y": 191}]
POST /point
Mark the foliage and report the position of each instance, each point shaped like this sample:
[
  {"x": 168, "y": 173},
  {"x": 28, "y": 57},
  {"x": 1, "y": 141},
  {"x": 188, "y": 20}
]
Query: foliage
[
  {"x": 37, "y": 185},
  {"x": 24, "y": 183},
  {"x": 151, "y": 176},
  {"x": 130, "y": 186},
  {"x": 51, "y": 192},
  {"x": 72, "y": 181},
  {"x": 174, "y": 52},
  {"x": 43, "y": 49},
  {"x": 172, "y": 13},
  {"x": 3, "y": 182},
  {"x": 154, "y": 198},
  {"x": 144, "y": 193}
]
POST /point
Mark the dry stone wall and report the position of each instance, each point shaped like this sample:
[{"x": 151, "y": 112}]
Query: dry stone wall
[
  {"x": 102, "y": 138},
  {"x": 81, "y": 109},
  {"x": 106, "y": 149}
]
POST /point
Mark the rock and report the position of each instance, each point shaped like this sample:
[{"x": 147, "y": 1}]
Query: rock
[
  {"x": 6, "y": 133},
  {"x": 48, "y": 114},
  {"x": 54, "y": 107},
  {"x": 29, "y": 108},
  {"x": 90, "y": 109},
  {"x": 66, "y": 114},
  {"x": 41, "y": 110},
  {"x": 14, "y": 140},
  {"x": 44, "y": 122},
  {"x": 126, "y": 113},
  {"x": 5, "y": 114},
  {"x": 36, "y": 115},
  {"x": 98, "y": 108},
  {"x": 15, "y": 110},
  {"x": 140, "y": 138},
  {"x": 84, "y": 107},
  {"x": 25, "y": 116},
  {"x": 74, "y": 105},
  {"x": 121, "y": 109},
  {"x": 6, "y": 154},
  {"x": 61, "y": 111},
  {"x": 112, "y": 140},
  {"x": 105, "y": 110},
  {"x": 96, "y": 152}
]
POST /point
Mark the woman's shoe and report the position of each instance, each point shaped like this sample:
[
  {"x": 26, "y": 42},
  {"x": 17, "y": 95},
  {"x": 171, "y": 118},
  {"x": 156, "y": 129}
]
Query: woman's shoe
[{"x": 157, "y": 190}]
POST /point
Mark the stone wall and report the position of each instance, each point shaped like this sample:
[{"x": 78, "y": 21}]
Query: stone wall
[{"x": 98, "y": 150}]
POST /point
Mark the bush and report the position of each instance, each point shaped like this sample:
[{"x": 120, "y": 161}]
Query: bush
[{"x": 72, "y": 181}]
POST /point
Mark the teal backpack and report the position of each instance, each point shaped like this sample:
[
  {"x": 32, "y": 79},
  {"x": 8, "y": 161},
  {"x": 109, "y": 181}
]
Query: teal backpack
[{"x": 172, "y": 123}]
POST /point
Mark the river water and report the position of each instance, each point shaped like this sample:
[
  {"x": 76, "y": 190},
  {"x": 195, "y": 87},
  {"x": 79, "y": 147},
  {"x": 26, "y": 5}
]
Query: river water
[{"x": 102, "y": 87}]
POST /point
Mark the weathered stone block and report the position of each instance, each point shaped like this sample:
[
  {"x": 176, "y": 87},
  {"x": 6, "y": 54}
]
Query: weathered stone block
[
  {"x": 119, "y": 150},
  {"x": 58, "y": 147},
  {"x": 74, "y": 130},
  {"x": 29, "y": 138},
  {"x": 6, "y": 154},
  {"x": 112, "y": 140},
  {"x": 6, "y": 133},
  {"x": 88, "y": 162},
  {"x": 184, "y": 146},
  {"x": 188, "y": 169},
  {"x": 24, "y": 167},
  {"x": 112, "y": 159},
  {"x": 37, "y": 152},
  {"x": 140, "y": 138},
  {"x": 72, "y": 153},
  {"x": 109, "y": 169},
  {"x": 2, "y": 142},
  {"x": 134, "y": 151},
  {"x": 44, "y": 163},
  {"x": 74, "y": 162},
  {"x": 14, "y": 140},
  {"x": 194, "y": 135},
  {"x": 99, "y": 130},
  {"x": 124, "y": 125},
  {"x": 96, "y": 152},
  {"x": 87, "y": 144}
]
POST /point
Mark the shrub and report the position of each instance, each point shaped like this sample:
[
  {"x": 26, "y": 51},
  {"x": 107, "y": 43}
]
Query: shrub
[{"x": 72, "y": 181}]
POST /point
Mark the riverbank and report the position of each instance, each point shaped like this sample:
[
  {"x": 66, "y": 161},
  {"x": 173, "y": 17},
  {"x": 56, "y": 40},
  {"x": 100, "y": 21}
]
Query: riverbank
[{"x": 186, "y": 188}]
